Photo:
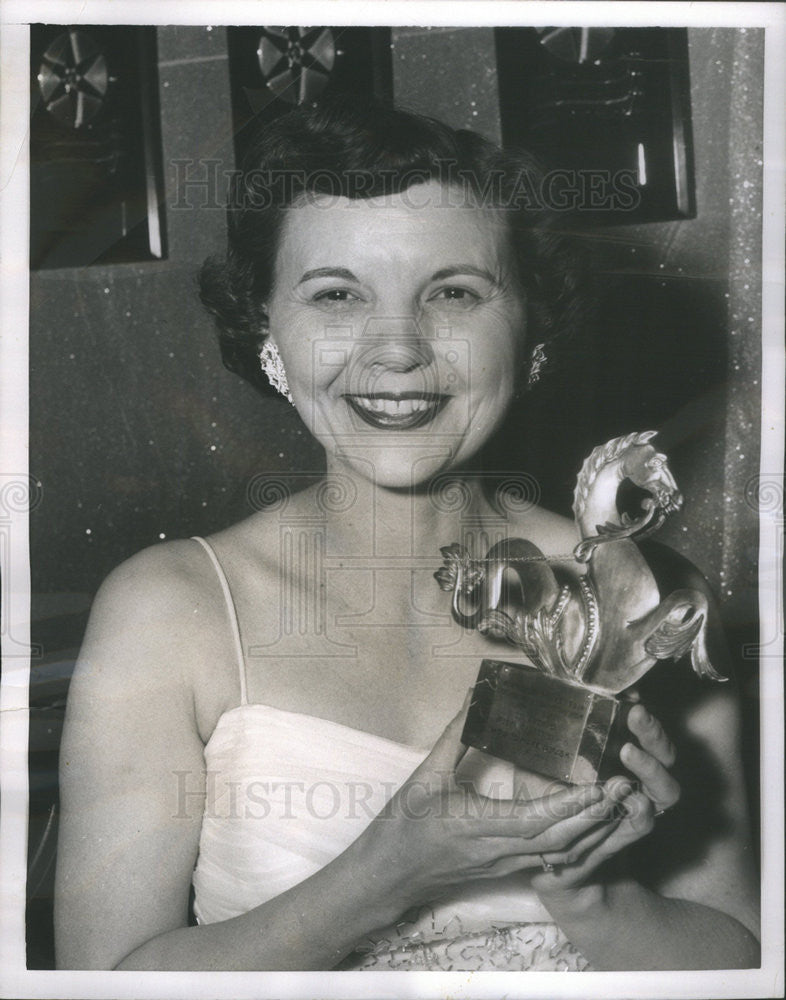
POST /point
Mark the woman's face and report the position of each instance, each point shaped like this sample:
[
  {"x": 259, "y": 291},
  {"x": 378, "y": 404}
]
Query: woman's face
[{"x": 400, "y": 324}]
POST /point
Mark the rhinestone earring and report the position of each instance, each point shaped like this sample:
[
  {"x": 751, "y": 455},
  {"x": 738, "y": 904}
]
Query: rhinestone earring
[
  {"x": 537, "y": 361},
  {"x": 273, "y": 367}
]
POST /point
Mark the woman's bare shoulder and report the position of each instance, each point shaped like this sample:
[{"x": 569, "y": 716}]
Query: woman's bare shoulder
[
  {"x": 161, "y": 610},
  {"x": 156, "y": 581},
  {"x": 158, "y": 633}
]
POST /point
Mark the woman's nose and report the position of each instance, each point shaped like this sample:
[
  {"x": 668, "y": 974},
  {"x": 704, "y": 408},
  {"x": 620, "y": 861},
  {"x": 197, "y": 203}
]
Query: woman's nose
[
  {"x": 392, "y": 355},
  {"x": 392, "y": 344},
  {"x": 391, "y": 347}
]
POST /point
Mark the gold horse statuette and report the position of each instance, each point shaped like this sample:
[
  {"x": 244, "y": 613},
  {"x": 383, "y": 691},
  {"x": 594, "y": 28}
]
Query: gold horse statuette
[{"x": 601, "y": 623}]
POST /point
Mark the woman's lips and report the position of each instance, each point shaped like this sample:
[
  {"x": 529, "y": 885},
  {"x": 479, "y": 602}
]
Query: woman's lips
[{"x": 396, "y": 411}]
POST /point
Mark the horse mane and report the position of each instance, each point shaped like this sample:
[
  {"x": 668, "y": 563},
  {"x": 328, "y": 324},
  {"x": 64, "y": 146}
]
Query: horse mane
[{"x": 599, "y": 458}]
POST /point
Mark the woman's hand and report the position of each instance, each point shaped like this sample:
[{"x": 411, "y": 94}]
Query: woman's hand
[
  {"x": 435, "y": 834},
  {"x": 638, "y": 806}
]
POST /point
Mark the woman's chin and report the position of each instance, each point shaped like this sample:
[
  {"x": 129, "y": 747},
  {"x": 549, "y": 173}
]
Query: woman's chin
[{"x": 393, "y": 465}]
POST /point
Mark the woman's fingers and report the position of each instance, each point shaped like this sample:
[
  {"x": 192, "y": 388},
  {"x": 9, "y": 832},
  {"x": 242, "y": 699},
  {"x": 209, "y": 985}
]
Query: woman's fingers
[
  {"x": 564, "y": 843},
  {"x": 565, "y": 838},
  {"x": 574, "y": 828},
  {"x": 637, "y": 821},
  {"x": 538, "y": 827},
  {"x": 585, "y": 843},
  {"x": 598, "y": 846},
  {"x": 651, "y": 736},
  {"x": 513, "y": 818},
  {"x": 651, "y": 760},
  {"x": 656, "y": 782}
]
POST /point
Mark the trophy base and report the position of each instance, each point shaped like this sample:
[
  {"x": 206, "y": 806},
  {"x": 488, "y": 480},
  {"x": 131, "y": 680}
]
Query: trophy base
[{"x": 546, "y": 725}]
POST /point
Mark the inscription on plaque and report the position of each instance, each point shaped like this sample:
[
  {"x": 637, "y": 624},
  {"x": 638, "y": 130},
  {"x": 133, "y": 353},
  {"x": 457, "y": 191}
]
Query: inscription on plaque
[{"x": 542, "y": 724}]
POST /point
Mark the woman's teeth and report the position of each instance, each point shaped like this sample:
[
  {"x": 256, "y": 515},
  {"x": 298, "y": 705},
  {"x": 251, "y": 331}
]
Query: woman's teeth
[
  {"x": 394, "y": 407},
  {"x": 393, "y": 413}
]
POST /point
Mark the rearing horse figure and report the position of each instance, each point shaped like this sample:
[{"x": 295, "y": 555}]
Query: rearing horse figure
[
  {"x": 605, "y": 627},
  {"x": 597, "y": 486}
]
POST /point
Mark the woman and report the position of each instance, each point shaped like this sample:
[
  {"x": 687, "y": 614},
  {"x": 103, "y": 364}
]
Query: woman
[{"x": 273, "y": 714}]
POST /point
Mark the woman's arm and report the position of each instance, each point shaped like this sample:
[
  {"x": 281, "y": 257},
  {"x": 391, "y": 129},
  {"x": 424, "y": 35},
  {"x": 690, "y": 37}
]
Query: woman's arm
[
  {"x": 129, "y": 838},
  {"x": 126, "y": 846},
  {"x": 622, "y": 925},
  {"x": 132, "y": 791}
]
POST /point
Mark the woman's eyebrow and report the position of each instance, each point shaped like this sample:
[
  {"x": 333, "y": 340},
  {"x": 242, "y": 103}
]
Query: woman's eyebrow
[
  {"x": 329, "y": 272},
  {"x": 451, "y": 272}
]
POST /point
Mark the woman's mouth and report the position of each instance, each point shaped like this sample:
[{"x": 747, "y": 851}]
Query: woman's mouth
[{"x": 397, "y": 411}]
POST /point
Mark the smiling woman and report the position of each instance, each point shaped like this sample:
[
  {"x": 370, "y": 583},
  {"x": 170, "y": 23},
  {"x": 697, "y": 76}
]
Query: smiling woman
[
  {"x": 416, "y": 250},
  {"x": 429, "y": 340},
  {"x": 272, "y": 717}
]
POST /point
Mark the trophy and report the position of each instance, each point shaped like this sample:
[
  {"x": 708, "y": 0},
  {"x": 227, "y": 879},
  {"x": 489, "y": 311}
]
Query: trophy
[{"x": 592, "y": 625}]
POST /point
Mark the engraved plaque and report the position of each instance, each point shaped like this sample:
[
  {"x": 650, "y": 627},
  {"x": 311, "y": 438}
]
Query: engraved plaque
[{"x": 545, "y": 725}]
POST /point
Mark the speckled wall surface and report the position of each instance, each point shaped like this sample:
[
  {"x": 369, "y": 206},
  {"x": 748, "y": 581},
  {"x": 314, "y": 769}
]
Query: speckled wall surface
[
  {"x": 716, "y": 259},
  {"x": 450, "y": 74},
  {"x": 137, "y": 431}
]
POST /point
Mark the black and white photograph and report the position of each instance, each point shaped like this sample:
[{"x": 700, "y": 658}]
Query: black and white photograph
[{"x": 391, "y": 499}]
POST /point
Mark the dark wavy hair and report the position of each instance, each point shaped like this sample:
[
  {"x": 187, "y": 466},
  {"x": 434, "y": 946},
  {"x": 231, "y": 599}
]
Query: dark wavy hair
[{"x": 356, "y": 148}]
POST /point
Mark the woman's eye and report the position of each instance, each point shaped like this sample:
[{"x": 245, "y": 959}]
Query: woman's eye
[
  {"x": 462, "y": 297},
  {"x": 340, "y": 295}
]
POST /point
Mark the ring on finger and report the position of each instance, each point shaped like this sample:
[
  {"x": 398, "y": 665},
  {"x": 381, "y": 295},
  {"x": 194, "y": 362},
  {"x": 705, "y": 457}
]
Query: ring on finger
[{"x": 545, "y": 865}]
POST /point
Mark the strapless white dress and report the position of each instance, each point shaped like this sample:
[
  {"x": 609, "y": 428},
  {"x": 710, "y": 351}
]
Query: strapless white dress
[{"x": 287, "y": 793}]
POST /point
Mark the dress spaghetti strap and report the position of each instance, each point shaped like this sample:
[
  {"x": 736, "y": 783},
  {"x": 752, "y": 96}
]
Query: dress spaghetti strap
[{"x": 232, "y": 613}]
